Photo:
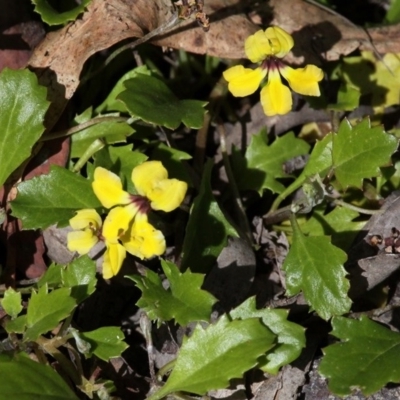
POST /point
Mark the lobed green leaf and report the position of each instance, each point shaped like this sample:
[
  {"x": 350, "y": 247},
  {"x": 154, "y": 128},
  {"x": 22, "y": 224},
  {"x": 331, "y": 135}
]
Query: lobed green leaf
[
  {"x": 338, "y": 223},
  {"x": 367, "y": 357},
  {"x": 290, "y": 336},
  {"x": 52, "y": 17},
  {"x": 358, "y": 152},
  {"x": 11, "y": 302},
  {"x": 184, "y": 301},
  {"x": 80, "y": 276},
  {"x": 211, "y": 357},
  {"x": 348, "y": 98},
  {"x": 106, "y": 342},
  {"x": 264, "y": 162},
  {"x": 46, "y": 310},
  {"x": 315, "y": 266}
]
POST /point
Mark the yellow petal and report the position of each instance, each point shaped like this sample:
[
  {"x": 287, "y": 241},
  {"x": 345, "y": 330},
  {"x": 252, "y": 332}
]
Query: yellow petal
[
  {"x": 81, "y": 241},
  {"x": 151, "y": 180},
  {"x": 303, "y": 80},
  {"x": 275, "y": 96},
  {"x": 117, "y": 222},
  {"x": 281, "y": 41},
  {"x": 86, "y": 218},
  {"x": 113, "y": 258},
  {"x": 243, "y": 81},
  {"x": 143, "y": 240},
  {"x": 272, "y": 42},
  {"x": 144, "y": 176},
  {"x": 167, "y": 195},
  {"x": 108, "y": 188},
  {"x": 257, "y": 47}
]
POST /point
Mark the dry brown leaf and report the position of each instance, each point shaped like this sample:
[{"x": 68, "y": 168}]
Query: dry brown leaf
[
  {"x": 319, "y": 35},
  {"x": 108, "y": 22}
]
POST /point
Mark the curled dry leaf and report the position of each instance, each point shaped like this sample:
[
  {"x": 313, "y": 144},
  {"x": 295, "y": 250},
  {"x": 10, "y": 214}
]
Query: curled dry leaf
[
  {"x": 319, "y": 34},
  {"x": 65, "y": 51},
  {"x": 367, "y": 266}
]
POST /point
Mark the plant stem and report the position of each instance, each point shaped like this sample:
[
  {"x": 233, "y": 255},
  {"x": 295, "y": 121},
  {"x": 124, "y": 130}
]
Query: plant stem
[
  {"x": 97, "y": 145},
  {"x": 242, "y": 219},
  {"x": 80, "y": 127},
  {"x": 355, "y": 208}
]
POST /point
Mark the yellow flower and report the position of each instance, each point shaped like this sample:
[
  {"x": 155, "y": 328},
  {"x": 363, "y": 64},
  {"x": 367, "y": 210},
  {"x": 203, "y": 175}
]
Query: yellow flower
[
  {"x": 143, "y": 240},
  {"x": 151, "y": 182},
  {"x": 86, "y": 224},
  {"x": 268, "y": 47},
  {"x": 126, "y": 227},
  {"x": 88, "y": 230}
]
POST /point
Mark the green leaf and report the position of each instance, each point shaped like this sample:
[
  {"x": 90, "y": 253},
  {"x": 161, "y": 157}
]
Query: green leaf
[
  {"x": 207, "y": 230},
  {"x": 110, "y": 131},
  {"x": 11, "y": 302},
  {"x": 172, "y": 161},
  {"x": 52, "y": 17},
  {"x": 111, "y": 103},
  {"x": 150, "y": 99},
  {"x": 393, "y": 14},
  {"x": 17, "y": 325},
  {"x": 367, "y": 357},
  {"x": 386, "y": 78},
  {"x": 24, "y": 379},
  {"x": 120, "y": 160},
  {"x": 80, "y": 276},
  {"x": 290, "y": 336},
  {"x": 46, "y": 310},
  {"x": 212, "y": 356},
  {"x": 315, "y": 266},
  {"x": 49, "y": 199},
  {"x": 23, "y": 105},
  {"x": 359, "y": 151},
  {"x": 265, "y": 162},
  {"x": 348, "y": 98},
  {"x": 338, "y": 224},
  {"x": 320, "y": 163},
  {"x": 106, "y": 342},
  {"x": 52, "y": 277},
  {"x": 184, "y": 301}
]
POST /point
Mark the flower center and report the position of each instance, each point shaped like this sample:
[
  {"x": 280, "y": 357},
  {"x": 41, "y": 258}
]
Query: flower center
[
  {"x": 141, "y": 202},
  {"x": 271, "y": 63}
]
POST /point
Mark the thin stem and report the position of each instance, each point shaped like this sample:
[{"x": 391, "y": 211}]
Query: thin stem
[
  {"x": 276, "y": 216},
  {"x": 242, "y": 219},
  {"x": 166, "y": 368},
  {"x": 92, "y": 149},
  {"x": 355, "y": 208},
  {"x": 335, "y": 120},
  {"x": 80, "y": 127},
  {"x": 215, "y": 97}
]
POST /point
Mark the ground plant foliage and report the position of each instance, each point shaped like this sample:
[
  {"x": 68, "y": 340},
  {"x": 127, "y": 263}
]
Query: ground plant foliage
[{"x": 199, "y": 199}]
